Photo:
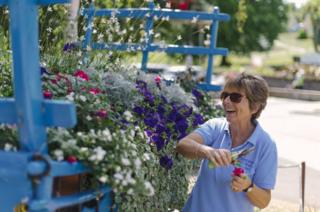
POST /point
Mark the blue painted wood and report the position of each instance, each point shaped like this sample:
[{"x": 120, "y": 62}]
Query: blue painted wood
[
  {"x": 3, "y": 2},
  {"x": 148, "y": 38},
  {"x": 60, "y": 202},
  {"x": 142, "y": 13},
  {"x": 14, "y": 183},
  {"x": 183, "y": 49},
  {"x": 54, "y": 113},
  {"x": 149, "y": 14},
  {"x": 47, "y": 2},
  {"x": 213, "y": 38},
  {"x": 24, "y": 177}
]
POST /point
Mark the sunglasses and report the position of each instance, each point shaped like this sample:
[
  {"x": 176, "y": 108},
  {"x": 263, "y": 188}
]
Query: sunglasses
[{"x": 234, "y": 97}]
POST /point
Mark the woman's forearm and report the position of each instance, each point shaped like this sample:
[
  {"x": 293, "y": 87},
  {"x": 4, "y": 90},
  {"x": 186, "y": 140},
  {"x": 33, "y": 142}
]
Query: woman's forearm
[
  {"x": 259, "y": 197},
  {"x": 191, "y": 147}
]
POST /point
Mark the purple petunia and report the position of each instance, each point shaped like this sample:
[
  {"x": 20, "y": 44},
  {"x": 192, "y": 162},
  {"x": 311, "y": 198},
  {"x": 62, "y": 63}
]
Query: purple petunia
[
  {"x": 138, "y": 110},
  {"x": 166, "y": 162},
  {"x": 68, "y": 47},
  {"x": 158, "y": 140},
  {"x": 198, "y": 119}
]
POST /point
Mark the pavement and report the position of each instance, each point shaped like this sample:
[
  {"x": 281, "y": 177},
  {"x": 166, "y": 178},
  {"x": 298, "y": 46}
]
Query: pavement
[{"x": 295, "y": 126}]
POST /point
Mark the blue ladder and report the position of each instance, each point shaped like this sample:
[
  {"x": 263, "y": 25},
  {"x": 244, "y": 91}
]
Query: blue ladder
[
  {"x": 149, "y": 15},
  {"x": 27, "y": 176}
]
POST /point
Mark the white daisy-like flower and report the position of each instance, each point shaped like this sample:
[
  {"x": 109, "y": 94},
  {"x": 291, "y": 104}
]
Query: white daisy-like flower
[
  {"x": 125, "y": 161},
  {"x": 82, "y": 98},
  {"x": 103, "y": 179},
  {"x": 137, "y": 163},
  {"x": 149, "y": 187},
  {"x": 100, "y": 153},
  {"x": 128, "y": 115},
  {"x": 7, "y": 147},
  {"x": 59, "y": 154},
  {"x": 118, "y": 176},
  {"x": 194, "y": 19}
]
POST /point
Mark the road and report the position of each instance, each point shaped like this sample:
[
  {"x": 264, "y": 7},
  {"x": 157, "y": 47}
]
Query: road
[{"x": 295, "y": 127}]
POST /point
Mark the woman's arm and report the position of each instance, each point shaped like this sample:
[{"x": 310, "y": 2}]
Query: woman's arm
[
  {"x": 192, "y": 146},
  {"x": 257, "y": 196}
]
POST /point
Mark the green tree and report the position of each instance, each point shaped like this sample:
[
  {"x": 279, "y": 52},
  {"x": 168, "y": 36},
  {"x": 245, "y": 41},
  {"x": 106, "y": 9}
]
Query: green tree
[
  {"x": 313, "y": 9},
  {"x": 254, "y": 25}
]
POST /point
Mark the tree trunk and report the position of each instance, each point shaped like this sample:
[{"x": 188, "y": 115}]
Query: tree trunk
[{"x": 225, "y": 61}]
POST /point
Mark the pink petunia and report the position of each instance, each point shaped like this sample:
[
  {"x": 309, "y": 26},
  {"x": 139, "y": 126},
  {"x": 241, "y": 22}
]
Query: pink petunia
[
  {"x": 102, "y": 113},
  {"x": 94, "y": 91},
  {"x": 157, "y": 79},
  {"x": 81, "y": 74},
  {"x": 72, "y": 159}
]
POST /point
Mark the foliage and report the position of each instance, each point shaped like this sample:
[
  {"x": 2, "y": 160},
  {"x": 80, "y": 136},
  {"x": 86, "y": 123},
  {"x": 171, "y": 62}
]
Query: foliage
[
  {"x": 302, "y": 34},
  {"x": 312, "y": 9},
  {"x": 264, "y": 21}
]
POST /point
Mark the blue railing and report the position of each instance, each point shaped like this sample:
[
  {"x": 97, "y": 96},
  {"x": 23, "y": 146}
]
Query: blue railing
[
  {"x": 149, "y": 14},
  {"x": 27, "y": 176}
]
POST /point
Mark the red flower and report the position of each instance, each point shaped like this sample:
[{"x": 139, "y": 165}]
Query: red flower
[
  {"x": 102, "y": 113},
  {"x": 183, "y": 5},
  {"x": 72, "y": 159},
  {"x": 94, "y": 91},
  {"x": 238, "y": 171},
  {"x": 47, "y": 94},
  {"x": 81, "y": 74},
  {"x": 157, "y": 79}
]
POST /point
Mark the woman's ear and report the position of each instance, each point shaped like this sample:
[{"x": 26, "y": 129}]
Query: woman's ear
[{"x": 255, "y": 108}]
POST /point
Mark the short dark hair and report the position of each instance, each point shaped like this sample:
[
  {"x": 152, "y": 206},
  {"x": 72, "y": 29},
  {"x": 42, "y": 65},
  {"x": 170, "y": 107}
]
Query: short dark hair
[{"x": 256, "y": 90}]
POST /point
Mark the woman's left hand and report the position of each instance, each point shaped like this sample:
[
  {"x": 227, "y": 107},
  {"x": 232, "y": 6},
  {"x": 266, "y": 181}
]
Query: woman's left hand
[{"x": 239, "y": 183}]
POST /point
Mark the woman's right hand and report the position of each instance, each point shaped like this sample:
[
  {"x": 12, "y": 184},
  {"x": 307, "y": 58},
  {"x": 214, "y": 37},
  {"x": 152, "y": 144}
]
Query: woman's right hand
[{"x": 218, "y": 157}]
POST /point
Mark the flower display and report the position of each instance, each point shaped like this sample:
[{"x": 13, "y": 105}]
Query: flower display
[{"x": 128, "y": 124}]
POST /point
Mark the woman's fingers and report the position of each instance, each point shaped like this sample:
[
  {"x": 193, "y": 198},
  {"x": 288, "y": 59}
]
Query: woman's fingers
[
  {"x": 240, "y": 183},
  {"x": 222, "y": 156},
  {"x": 219, "y": 157}
]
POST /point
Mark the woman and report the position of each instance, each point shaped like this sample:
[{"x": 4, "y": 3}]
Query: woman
[{"x": 220, "y": 189}]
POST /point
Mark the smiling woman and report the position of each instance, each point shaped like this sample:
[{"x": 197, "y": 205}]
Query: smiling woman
[{"x": 245, "y": 182}]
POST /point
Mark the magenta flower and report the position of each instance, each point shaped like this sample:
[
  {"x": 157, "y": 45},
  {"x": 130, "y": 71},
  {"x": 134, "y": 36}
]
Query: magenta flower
[
  {"x": 72, "y": 159},
  {"x": 238, "y": 171},
  {"x": 157, "y": 79},
  {"x": 47, "y": 94},
  {"x": 94, "y": 91},
  {"x": 81, "y": 74},
  {"x": 102, "y": 113}
]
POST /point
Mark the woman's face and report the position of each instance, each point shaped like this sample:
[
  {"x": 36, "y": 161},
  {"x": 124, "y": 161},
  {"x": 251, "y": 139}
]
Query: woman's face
[{"x": 236, "y": 106}]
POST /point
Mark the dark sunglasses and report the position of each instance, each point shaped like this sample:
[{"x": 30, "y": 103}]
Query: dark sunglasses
[{"x": 234, "y": 97}]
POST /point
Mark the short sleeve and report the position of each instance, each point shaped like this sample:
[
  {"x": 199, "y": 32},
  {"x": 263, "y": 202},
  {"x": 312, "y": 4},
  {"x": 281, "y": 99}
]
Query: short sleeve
[
  {"x": 266, "y": 171},
  {"x": 209, "y": 131}
]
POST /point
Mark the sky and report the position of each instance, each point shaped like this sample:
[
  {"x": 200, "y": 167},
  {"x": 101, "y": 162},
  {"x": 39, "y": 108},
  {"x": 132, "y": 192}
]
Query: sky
[{"x": 298, "y": 3}]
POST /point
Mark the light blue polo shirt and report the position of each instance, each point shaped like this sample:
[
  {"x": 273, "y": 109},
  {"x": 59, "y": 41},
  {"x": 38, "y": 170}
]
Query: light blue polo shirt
[{"x": 212, "y": 191}]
